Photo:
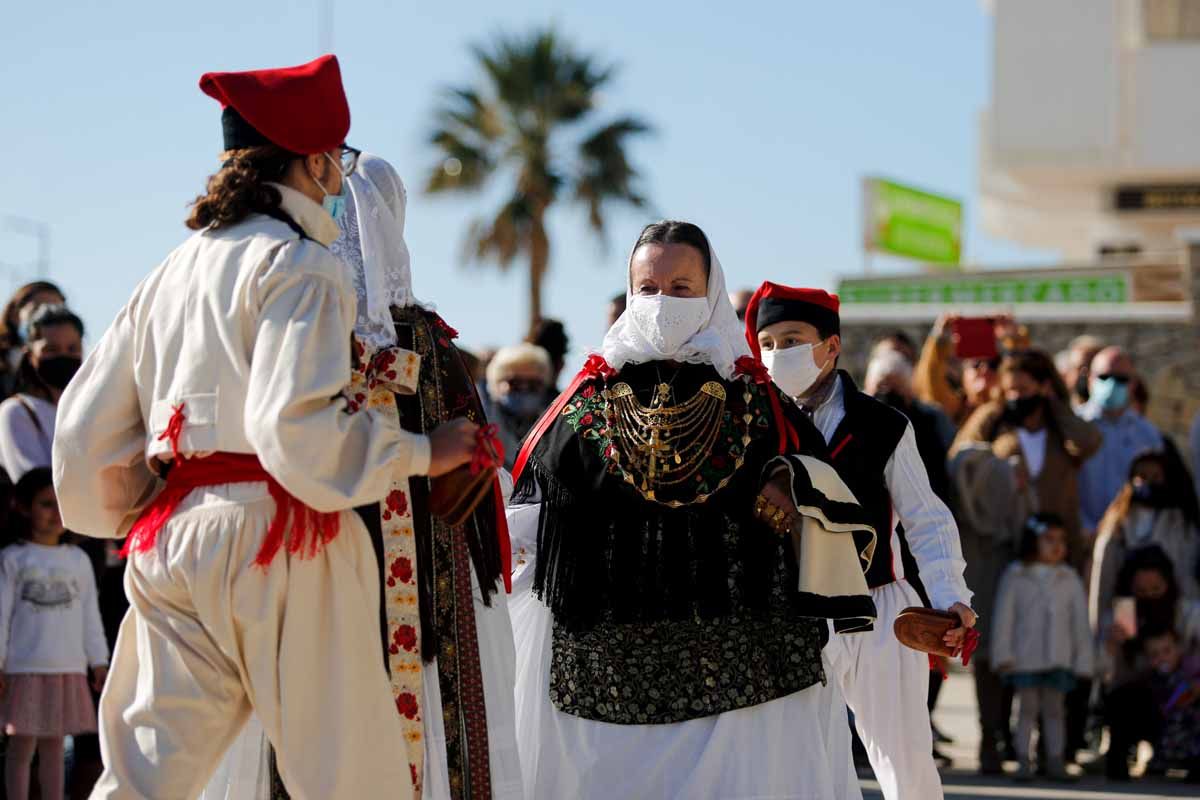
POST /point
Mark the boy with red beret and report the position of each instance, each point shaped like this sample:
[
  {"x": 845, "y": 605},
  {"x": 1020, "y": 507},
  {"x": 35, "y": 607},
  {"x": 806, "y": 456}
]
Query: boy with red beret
[{"x": 797, "y": 334}]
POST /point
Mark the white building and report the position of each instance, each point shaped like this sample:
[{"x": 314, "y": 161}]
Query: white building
[{"x": 1091, "y": 143}]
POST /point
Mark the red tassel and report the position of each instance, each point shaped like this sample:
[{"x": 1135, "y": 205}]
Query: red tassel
[
  {"x": 174, "y": 430},
  {"x": 274, "y": 538},
  {"x": 489, "y": 450},
  {"x": 502, "y": 535},
  {"x": 970, "y": 644}
]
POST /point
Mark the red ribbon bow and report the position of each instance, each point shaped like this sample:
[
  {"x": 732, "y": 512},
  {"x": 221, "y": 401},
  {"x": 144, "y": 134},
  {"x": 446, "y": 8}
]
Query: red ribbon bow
[
  {"x": 752, "y": 368},
  {"x": 757, "y": 371},
  {"x": 594, "y": 367},
  {"x": 597, "y": 367},
  {"x": 445, "y": 327},
  {"x": 489, "y": 450}
]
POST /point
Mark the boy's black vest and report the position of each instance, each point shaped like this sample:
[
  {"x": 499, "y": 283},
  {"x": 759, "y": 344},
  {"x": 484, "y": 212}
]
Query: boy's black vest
[{"x": 860, "y": 449}]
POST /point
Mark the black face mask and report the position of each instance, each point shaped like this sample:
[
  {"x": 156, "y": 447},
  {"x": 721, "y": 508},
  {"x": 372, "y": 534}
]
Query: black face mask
[
  {"x": 1081, "y": 387},
  {"x": 1019, "y": 410},
  {"x": 1154, "y": 495},
  {"x": 893, "y": 399},
  {"x": 57, "y": 372},
  {"x": 1157, "y": 613}
]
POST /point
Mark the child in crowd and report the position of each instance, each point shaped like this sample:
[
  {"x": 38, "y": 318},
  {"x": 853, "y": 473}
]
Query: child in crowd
[
  {"x": 50, "y": 634},
  {"x": 1175, "y": 684},
  {"x": 1041, "y": 641}
]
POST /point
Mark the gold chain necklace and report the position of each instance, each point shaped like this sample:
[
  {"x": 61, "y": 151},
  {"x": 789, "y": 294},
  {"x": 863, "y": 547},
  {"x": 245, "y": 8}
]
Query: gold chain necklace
[{"x": 663, "y": 445}]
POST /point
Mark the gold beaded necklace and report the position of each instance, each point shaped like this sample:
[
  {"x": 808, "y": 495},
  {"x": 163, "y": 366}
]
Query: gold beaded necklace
[{"x": 663, "y": 445}]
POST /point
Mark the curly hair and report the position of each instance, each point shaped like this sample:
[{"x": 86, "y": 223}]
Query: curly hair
[{"x": 240, "y": 187}]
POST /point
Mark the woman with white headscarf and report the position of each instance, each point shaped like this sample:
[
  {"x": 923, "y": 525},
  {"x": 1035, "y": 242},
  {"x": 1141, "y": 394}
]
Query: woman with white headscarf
[
  {"x": 663, "y": 648},
  {"x": 444, "y": 624}
]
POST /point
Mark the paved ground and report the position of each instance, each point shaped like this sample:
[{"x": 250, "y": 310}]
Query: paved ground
[{"x": 956, "y": 716}]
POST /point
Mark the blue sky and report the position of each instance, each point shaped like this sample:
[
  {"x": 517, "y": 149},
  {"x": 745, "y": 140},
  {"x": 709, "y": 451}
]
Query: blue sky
[{"x": 767, "y": 117}]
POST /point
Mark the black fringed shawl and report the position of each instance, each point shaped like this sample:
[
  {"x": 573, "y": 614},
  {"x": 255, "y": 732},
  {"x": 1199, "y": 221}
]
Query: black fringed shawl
[{"x": 664, "y": 614}]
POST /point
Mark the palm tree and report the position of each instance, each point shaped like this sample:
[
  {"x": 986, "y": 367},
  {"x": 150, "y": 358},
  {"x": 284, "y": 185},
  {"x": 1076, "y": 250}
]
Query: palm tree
[{"x": 533, "y": 118}]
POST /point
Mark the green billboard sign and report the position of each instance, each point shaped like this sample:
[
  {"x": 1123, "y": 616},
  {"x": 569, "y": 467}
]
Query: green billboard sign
[
  {"x": 992, "y": 290},
  {"x": 906, "y": 221}
]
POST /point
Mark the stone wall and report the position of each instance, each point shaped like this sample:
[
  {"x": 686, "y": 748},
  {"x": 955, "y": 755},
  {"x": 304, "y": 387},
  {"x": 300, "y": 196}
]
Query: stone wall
[{"x": 1166, "y": 354}]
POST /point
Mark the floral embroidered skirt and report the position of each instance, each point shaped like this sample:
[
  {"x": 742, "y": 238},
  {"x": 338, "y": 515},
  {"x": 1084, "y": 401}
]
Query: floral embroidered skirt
[{"x": 47, "y": 705}]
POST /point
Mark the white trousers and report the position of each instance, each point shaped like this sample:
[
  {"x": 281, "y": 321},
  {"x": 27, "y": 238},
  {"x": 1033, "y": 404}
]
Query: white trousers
[
  {"x": 210, "y": 637},
  {"x": 886, "y": 685}
]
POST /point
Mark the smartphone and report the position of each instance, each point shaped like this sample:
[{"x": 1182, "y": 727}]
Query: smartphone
[
  {"x": 975, "y": 337},
  {"x": 1125, "y": 615}
]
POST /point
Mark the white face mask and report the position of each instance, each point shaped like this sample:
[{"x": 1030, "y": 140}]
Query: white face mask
[
  {"x": 667, "y": 322},
  {"x": 794, "y": 369}
]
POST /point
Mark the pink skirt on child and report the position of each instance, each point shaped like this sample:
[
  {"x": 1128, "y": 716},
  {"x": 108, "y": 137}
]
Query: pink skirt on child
[{"x": 47, "y": 705}]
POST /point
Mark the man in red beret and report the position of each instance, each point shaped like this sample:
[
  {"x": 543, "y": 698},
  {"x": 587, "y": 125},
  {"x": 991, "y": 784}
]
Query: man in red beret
[
  {"x": 207, "y": 427},
  {"x": 797, "y": 334}
]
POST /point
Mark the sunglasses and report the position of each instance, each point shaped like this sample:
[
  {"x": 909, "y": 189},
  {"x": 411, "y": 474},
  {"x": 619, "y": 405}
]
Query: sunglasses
[{"x": 1114, "y": 378}]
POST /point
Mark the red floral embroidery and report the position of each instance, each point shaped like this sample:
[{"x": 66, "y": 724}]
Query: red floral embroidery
[
  {"x": 589, "y": 391},
  {"x": 384, "y": 364},
  {"x": 406, "y": 705},
  {"x": 587, "y": 418},
  {"x": 402, "y": 571},
  {"x": 404, "y": 637},
  {"x": 397, "y": 504}
]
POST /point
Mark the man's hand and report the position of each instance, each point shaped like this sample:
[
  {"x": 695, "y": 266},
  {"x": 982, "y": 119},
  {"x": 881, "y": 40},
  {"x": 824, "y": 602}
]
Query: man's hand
[
  {"x": 955, "y": 636},
  {"x": 99, "y": 676},
  {"x": 451, "y": 445}
]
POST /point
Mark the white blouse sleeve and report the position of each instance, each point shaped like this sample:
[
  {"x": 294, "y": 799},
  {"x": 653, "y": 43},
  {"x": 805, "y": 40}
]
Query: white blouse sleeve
[
  {"x": 100, "y": 471},
  {"x": 22, "y": 445},
  {"x": 295, "y": 419},
  {"x": 929, "y": 526}
]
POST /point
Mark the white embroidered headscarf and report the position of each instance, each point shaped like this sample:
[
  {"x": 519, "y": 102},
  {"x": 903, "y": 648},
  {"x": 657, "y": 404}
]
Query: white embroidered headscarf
[
  {"x": 372, "y": 245},
  {"x": 720, "y": 341}
]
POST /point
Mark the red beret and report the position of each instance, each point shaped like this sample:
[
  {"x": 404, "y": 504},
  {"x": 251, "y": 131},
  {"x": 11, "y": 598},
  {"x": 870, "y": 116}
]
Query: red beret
[
  {"x": 774, "y": 302},
  {"x": 301, "y": 109}
]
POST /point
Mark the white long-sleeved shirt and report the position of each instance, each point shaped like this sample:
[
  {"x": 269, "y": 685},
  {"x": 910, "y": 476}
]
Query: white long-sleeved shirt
[
  {"x": 24, "y": 444},
  {"x": 49, "y": 612},
  {"x": 248, "y": 329},
  {"x": 929, "y": 527}
]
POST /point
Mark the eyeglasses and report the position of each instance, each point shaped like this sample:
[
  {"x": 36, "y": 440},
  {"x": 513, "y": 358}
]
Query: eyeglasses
[
  {"x": 1115, "y": 378},
  {"x": 349, "y": 160}
]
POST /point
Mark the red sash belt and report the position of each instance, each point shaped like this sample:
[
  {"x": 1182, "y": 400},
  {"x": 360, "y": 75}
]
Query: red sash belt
[{"x": 309, "y": 529}]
